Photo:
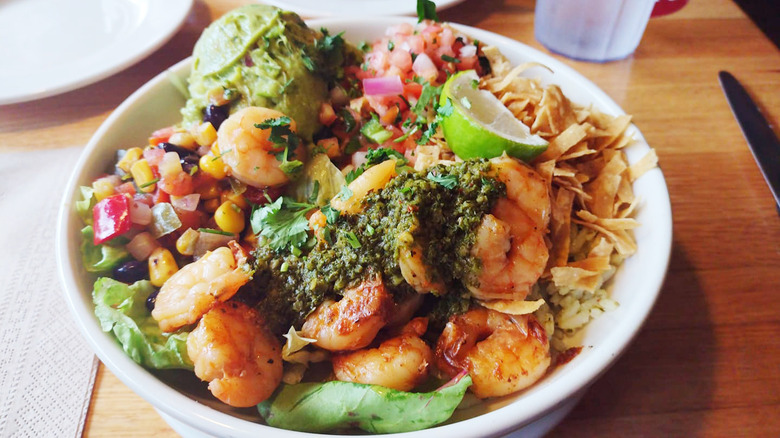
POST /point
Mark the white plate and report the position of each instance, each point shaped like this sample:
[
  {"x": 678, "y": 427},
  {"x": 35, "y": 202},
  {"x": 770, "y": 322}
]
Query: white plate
[
  {"x": 53, "y": 46},
  {"x": 351, "y": 8},
  {"x": 180, "y": 398}
]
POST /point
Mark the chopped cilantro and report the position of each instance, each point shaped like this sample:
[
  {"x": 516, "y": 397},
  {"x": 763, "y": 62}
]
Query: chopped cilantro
[
  {"x": 352, "y": 239},
  {"x": 426, "y": 10},
  {"x": 149, "y": 183},
  {"x": 283, "y": 223},
  {"x": 213, "y": 231},
  {"x": 345, "y": 193},
  {"x": 448, "y": 58},
  {"x": 331, "y": 214},
  {"x": 447, "y": 181}
]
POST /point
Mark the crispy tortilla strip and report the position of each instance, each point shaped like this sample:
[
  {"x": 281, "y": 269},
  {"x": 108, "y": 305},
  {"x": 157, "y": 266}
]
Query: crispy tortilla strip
[
  {"x": 513, "y": 307},
  {"x": 576, "y": 278},
  {"x": 560, "y": 228},
  {"x": 624, "y": 242},
  {"x": 608, "y": 223},
  {"x": 567, "y": 139},
  {"x": 649, "y": 161}
]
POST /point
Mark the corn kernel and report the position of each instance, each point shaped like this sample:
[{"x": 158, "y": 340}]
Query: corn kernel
[
  {"x": 205, "y": 134},
  {"x": 212, "y": 166},
  {"x": 103, "y": 188},
  {"x": 211, "y": 205},
  {"x": 215, "y": 149},
  {"x": 162, "y": 266},
  {"x": 185, "y": 244},
  {"x": 143, "y": 176},
  {"x": 236, "y": 198},
  {"x": 229, "y": 217},
  {"x": 209, "y": 190},
  {"x": 131, "y": 156},
  {"x": 183, "y": 139}
]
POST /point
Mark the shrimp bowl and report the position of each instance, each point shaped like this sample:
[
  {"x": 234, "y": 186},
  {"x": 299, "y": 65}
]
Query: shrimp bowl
[{"x": 250, "y": 265}]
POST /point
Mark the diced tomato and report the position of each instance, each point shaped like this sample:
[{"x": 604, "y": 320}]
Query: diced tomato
[
  {"x": 178, "y": 185},
  {"x": 190, "y": 219},
  {"x": 327, "y": 115},
  {"x": 154, "y": 156},
  {"x": 111, "y": 218},
  {"x": 161, "y": 136},
  {"x": 127, "y": 187},
  {"x": 160, "y": 196},
  {"x": 258, "y": 196}
]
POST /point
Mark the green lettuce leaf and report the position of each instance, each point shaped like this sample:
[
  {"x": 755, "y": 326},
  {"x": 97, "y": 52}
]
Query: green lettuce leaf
[
  {"x": 322, "y": 407},
  {"x": 102, "y": 258},
  {"x": 85, "y": 205},
  {"x": 121, "y": 309}
]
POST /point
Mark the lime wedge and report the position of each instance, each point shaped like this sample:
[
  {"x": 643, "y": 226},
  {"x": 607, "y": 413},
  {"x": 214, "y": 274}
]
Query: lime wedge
[{"x": 480, "y": 126}]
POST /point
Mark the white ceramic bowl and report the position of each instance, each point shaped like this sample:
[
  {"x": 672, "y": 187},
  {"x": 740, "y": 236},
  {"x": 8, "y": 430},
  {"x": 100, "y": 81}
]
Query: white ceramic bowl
[{"x": 188, "y": 407}]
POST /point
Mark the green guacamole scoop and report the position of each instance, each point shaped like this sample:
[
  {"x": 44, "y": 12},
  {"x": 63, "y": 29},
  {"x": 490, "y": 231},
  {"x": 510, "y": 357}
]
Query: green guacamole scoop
[{"x": 258, "y": 55}]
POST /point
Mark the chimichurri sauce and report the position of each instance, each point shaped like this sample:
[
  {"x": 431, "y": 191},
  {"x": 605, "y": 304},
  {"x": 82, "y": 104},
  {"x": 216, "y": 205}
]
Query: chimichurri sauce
[{"x": 439, "y": 208}]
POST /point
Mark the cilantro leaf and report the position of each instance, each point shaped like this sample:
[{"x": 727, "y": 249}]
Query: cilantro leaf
[
  {"x": 283, "y": 223},
  {"x": 331, "y": 214},
  {"x": 447, "y": 181},
  {"x": 426, "y": 10},
  {"x": 446, "y": 109}
]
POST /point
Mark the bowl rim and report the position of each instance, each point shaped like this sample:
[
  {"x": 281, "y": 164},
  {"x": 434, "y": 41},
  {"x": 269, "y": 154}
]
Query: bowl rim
[{"x": 529, "y": 406}]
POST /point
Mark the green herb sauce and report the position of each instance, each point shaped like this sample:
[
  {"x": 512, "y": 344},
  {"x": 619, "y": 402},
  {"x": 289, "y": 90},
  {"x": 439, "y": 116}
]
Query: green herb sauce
[{"x": 412, "y": 208}]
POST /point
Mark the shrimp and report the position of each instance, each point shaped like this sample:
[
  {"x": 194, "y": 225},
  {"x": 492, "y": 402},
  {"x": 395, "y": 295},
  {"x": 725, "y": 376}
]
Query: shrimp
[
  {"x": 196, "y": 288},
  {"x": 510, "y": 241},
  {"x": 352, "y": 322},
  {"x": 401, "y": 362},
  {"x": 416, "y": 272},
  {"x": 234, "y": 351},
  {"x": 502, "y": 353},
  {"x": 246, "y": 150}
]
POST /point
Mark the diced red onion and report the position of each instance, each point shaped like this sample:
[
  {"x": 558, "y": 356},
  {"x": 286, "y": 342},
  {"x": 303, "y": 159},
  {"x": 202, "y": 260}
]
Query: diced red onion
[
  {"x": 186, "y": 203},
  {"x": 140, "y": 213},
  {"x": 141, "y": 246},
  {"x": 209, "y": 242},
  {"x": 424, "y": 67},
  {"x": 384, "y": 86},
  {"x": 468, "y": 51},
  {"x": 154, "y": 155},
  {"x": 359, "y": 158}
]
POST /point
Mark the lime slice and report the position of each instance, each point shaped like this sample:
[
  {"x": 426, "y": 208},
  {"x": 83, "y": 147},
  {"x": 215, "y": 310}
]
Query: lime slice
[{"x": 480, "y": 126}]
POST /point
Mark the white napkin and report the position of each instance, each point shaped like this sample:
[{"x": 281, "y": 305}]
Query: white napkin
[{"x": 47, "y": 371}]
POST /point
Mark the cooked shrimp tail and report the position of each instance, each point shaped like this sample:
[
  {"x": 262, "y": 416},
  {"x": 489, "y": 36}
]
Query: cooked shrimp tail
[
  {"x": 197, "y": 287},
  {"x": 352, "y": 322},
  {"x": 509, "y": 242},
  {"x": 234, "y": 351},
  {"x": 502, "y": 353},
  {"x": 401, "y": 362}
]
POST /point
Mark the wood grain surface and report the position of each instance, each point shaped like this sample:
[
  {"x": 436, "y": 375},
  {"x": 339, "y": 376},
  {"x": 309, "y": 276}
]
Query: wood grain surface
[{"x": 707, "y": 363}]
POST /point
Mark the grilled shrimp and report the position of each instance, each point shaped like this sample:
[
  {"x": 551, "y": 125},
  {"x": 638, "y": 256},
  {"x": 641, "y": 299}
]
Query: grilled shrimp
[
  {"x": 400, "y": 362},
  {"x": 416, "y": 272},
  {"x": 510, "y": 241},
  {"x": 502, "y": 353},
  {"x": 197, "y": 287},
  {"x": 247, "y": 151},
  {"x": 352, "y": 322},
  {"x": 234, "y": 351}
]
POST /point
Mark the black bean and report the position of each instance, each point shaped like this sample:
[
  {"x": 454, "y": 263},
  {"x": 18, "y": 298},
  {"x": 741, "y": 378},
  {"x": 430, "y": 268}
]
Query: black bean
[
  {"x": 215, "y": 115},
  {"x": 170, "y": 147},
  {"x": 131, "y": 271},
  {"x": 152, "y": 300}
]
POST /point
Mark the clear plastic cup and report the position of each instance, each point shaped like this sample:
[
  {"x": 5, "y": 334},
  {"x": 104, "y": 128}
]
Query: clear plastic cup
[{"x": 592, "y": 30}]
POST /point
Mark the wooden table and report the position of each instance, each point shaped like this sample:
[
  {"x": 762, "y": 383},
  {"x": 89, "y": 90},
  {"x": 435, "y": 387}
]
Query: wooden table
[{"x": 708, "y": 360}]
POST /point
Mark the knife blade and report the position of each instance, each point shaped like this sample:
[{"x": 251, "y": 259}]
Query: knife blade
[{"x": 758, "y": 132}]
